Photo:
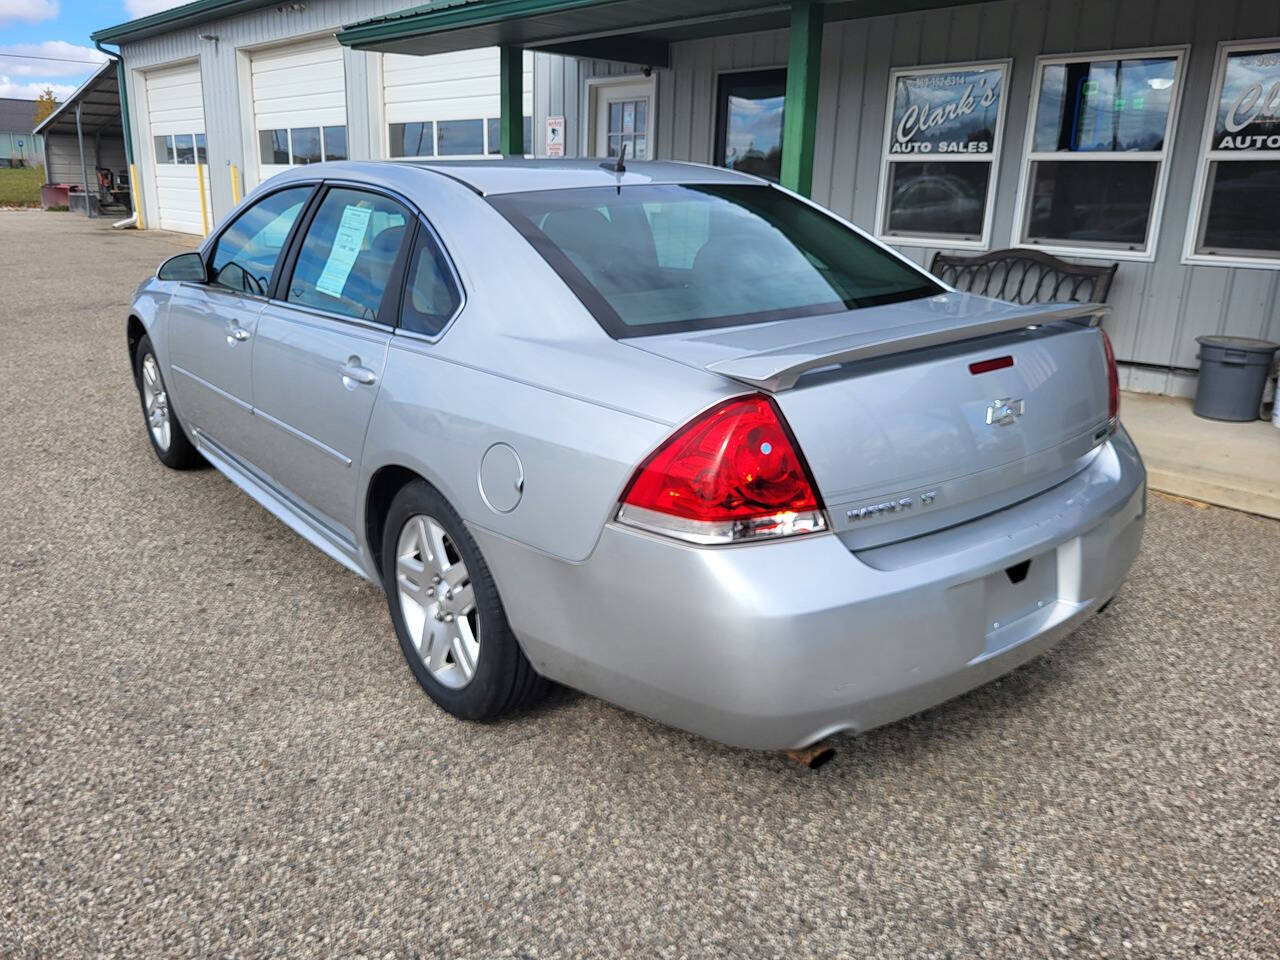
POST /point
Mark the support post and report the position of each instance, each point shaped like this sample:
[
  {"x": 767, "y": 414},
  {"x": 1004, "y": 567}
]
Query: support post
[
  {"x": 800, "y": 115},
  {"x": 512, "y": 97},
  {"x": 84, "y": 171}
]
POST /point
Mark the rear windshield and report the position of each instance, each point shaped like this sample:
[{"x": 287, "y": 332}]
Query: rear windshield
[{"x": 667, "y": 258}]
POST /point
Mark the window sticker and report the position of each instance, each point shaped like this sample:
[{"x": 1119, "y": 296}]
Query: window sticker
[{"x": 346, "y": 246}]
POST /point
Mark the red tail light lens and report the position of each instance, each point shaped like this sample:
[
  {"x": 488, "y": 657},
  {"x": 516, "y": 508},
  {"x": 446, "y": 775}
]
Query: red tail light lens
[
  {"x": 732, "y": 473},
  {"x": 1113, "y": 380}
]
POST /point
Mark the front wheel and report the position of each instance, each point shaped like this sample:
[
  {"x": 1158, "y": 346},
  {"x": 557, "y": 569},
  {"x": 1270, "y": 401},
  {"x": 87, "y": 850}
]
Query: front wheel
[
  {"x": 168, "y": 439},
  {"x": 448, "y": 617}
]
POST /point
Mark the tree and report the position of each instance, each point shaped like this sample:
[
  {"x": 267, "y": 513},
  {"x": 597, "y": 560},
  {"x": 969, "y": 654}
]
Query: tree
[{"x": 46, "y": 103}]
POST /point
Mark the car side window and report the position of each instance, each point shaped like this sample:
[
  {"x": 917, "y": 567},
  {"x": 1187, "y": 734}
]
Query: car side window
[
  {"x": 345, "y": 262},
  {"x": 246, "y": 253},
  {"x": 431, "y": 296}
]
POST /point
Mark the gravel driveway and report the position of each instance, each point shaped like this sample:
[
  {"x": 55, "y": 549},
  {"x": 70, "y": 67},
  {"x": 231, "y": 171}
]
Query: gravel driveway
[{"x": 210, "y": 745}]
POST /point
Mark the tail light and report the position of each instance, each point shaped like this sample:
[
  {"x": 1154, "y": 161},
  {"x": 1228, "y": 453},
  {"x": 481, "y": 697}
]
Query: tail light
[
  {"x": 1113, "y": 381},
  {"x": 732, "y": 473}
]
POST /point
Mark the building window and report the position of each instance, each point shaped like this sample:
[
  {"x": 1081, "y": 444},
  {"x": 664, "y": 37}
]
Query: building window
[
  {"x": 184, "y": 147},
  {"x": 749, "y": 109},
  {"x": 493, "y": 133},
  {"x": 1097, "y": 149},
  {"x": 164, "y": 149},
  {"x": 413, "y": 139},
  {"x": 1238, "y": 190},
  {"x": 302, "y": 145},
  {"x": 460, "y": 138},
  {"x": 942, "y": 144},
  {"x": 202, "y": 152}
]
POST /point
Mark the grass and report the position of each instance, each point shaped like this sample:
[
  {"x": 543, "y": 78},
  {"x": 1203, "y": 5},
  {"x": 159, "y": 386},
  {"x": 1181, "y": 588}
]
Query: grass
[{"x": 21, "y": 187}]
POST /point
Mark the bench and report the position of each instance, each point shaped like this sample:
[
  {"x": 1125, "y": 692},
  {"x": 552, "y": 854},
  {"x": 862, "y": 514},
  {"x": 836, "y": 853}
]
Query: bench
[{"x": 1024, "y": 276}]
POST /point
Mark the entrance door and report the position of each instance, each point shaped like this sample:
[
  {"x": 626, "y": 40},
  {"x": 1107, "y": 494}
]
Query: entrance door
[
  {"x": 749, "y": 109},
  {"x": 623, "y": 115}
]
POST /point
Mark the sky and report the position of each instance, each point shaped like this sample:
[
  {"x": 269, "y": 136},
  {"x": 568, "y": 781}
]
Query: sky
[{"x": 45, "y": 43}]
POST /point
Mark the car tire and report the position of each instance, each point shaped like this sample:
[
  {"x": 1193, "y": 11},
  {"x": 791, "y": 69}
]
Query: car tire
[
  {"x": 479, "y": 680},
  {"x": 164, "y": 430}
]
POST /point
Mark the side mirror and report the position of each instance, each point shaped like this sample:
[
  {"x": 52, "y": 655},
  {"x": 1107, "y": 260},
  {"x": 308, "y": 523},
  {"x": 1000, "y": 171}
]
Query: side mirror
[{"x": 185, "y": 266}]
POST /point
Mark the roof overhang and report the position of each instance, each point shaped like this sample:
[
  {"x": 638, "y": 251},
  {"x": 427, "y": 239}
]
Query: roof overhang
[
  {"x": 99, "y": 102},
  {"x": 632, "y": 31},
  {"x": 187, "y": 15}
]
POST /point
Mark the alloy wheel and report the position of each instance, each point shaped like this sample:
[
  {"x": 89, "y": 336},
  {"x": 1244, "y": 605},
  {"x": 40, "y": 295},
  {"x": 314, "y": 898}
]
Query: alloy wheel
[
  {"x": 437, "y": 601},
  {"x": 155, "y": 400}
]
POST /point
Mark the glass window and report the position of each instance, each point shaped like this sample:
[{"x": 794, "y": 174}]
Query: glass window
[
  {"x": 941, "y": 148},
  {"x": 493, "y": 130},
  {"x": 1099, "y": 142},
  {"x": 246, "y": 252},
  {"x": 749, "y": 122},
  {"x": 413, "y": 139},
  {"x": 164, "y": 149},
  {"x": 306, "y": 145},
  {"x": 202, "y": 154},
  {"x": 347, "y": 256},
  {"x": 456, "y": 138},
  {"x": 273, "y": 146},
  {"x": 1240, "y": 193},
  {"x": 431, "y": 297},
  {"x": 335, "y": 143},
  {"x": 664, "y": 258},
  {"x": 184, "y": 148}
]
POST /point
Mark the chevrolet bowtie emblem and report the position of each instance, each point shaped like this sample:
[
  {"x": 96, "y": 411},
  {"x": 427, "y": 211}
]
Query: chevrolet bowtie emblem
[{"x": 1001, "y": 413}]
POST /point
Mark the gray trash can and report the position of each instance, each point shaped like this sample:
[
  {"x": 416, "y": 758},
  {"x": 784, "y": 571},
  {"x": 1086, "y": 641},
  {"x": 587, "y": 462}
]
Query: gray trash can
[{"x": 1233, "y": 373}]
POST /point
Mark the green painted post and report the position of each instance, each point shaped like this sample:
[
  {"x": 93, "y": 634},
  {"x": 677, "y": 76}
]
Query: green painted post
[
  {"x": 800, "y": 116},
  {"x": 512, "y": 97}
]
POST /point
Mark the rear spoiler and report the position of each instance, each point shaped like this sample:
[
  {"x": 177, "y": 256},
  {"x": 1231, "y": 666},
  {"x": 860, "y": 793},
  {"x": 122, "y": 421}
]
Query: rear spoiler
[{"x": 780, "y": 368}]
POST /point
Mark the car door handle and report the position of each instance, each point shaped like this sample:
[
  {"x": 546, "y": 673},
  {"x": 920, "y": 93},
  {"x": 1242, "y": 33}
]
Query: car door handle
[
  {"x": 237, "y": 334},
  {"x": 353, "y": 372}
]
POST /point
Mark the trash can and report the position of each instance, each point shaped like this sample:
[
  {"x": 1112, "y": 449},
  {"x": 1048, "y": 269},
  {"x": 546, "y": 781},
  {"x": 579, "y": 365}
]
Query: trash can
[{"x": 1233, "y": 372}]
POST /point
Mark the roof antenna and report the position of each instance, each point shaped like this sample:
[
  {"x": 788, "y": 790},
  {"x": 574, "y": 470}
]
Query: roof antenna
[{"x": 619, "y": 165}]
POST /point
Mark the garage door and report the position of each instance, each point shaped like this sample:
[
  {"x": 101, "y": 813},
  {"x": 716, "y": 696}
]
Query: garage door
[
  {"x": 299, "y": 105},
  {"x": 448, "y": 105},
  {"x": 175, "y": 111}
]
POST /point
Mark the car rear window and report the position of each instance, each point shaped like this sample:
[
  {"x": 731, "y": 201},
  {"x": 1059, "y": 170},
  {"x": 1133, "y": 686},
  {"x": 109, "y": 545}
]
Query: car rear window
[{"x": 652, "y": 259}]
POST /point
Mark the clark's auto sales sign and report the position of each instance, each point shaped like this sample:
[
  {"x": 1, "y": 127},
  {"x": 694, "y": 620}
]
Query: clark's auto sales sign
[
  {"x": 946, "y": 112},
  {"x": 1249, "y": 107}
]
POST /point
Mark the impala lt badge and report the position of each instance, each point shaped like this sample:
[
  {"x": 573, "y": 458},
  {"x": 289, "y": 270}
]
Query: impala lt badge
[
  {"x": 1001, "y": 413},
  {"x": 888, "y": 507}
]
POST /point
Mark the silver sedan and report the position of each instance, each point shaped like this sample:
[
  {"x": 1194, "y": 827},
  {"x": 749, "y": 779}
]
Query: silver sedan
[{"x": 670, "y": 435}]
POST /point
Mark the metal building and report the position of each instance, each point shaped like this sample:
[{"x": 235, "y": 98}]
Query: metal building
[
  {"x": 1143, "y": 132},
  {"x": 19, "y": 147},
  {"x": 84, "y": 143}
]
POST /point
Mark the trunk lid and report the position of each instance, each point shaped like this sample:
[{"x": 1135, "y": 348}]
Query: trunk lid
[{"x": 901, "y": 436}]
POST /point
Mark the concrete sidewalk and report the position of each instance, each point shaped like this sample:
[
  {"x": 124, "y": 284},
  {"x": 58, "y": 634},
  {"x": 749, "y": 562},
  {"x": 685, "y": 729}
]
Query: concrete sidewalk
[{"x": 1234, "y": 465}]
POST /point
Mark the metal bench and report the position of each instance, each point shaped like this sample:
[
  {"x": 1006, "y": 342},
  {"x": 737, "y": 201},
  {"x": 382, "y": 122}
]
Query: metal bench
[{"x": 1024, "y": 276}]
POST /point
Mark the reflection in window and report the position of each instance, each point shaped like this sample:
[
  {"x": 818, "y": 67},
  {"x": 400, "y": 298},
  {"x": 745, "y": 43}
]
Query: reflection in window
[
  {"x": 458, "y": 138},
  {"x": 413, "y": 139},
  {"x": 273, "y": 146},
  {"x": 1085, "y": 110},
  {"x": 184, "y": 148},
  {"x": 246, "y": 253},
  {"x": 749, "y": 122},
  {"x": 430, "y": 296},
  {"x": 941, "y": 151},
  {"x": 1241, "y": 190},
  {"x": 202, "y": 155},
  {"x": 335, "y": 143},
  {"x": 937, "y": 199},
  {"x": 306, "y": 145},
  {"x": 164, "y": 149},
  {"x": 494, "y": 133}
]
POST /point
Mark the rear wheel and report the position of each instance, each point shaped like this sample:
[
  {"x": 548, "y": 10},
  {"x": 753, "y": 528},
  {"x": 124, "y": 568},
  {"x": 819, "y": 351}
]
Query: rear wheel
[
  {"x": 168, "y": 439},
  {"x": 447, "y": 613}
]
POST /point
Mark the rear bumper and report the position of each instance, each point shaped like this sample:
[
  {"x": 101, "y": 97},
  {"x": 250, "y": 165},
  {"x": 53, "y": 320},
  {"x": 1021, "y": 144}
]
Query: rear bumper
[{"x": 778, "y": 645}]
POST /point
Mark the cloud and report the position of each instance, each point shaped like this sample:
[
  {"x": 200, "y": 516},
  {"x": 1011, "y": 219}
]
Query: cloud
[
  {"x": 52, "y": 58},
  {"x": 33, "y": 89},
  {"x": 142, "y": 8},
  {"x": 28, "y": 11}
]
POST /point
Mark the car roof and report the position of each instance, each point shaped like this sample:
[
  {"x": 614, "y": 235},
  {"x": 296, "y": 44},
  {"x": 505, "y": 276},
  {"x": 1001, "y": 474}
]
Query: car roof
[{"x": 517, "y": 175}]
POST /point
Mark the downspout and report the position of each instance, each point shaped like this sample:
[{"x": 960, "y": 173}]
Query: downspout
[{"x": 135, "y": 188}]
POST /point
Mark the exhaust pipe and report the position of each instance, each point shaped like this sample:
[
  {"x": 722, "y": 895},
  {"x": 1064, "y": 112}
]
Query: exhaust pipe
[
  {"x": 815, "y": 755},
  {"x": 126, "y": 223}
]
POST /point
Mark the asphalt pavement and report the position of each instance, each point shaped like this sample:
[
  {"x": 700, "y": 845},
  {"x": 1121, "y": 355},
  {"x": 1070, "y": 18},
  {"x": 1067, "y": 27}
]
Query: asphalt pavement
[{"x": 210, "y": 745}]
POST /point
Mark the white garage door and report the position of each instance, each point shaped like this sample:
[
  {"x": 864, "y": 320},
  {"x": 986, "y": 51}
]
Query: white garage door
[
  {"x": 299, "y": 105},
  {"x": 175, "y": 111},
  {"x": 448, "y": 105}
]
